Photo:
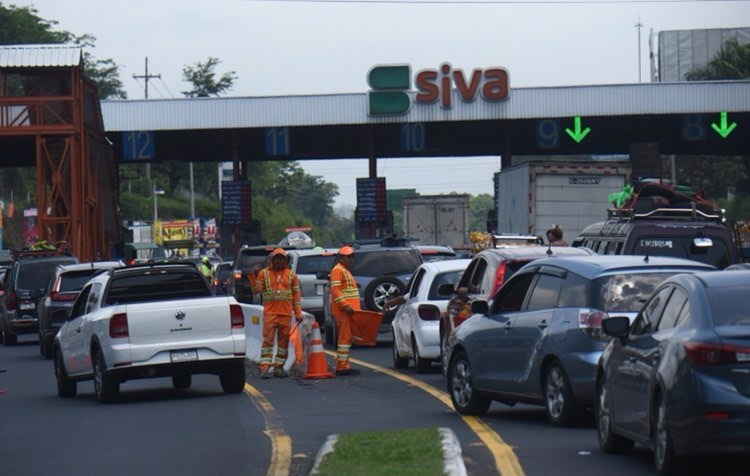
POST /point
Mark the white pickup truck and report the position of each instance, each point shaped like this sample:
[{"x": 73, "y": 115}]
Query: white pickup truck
[{"x": 145, "y": 321}]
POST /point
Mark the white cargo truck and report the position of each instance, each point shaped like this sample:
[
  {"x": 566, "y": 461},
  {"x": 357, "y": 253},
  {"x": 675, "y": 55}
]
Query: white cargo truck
[
  {"x": 437, "y": 220},
  {"x": 533, "y": 196}
]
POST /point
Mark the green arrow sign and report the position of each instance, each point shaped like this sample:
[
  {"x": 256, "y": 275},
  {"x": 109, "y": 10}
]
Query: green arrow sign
[
  {"x": 724, "y": 129},
  {"x": 577, "y": 134}
]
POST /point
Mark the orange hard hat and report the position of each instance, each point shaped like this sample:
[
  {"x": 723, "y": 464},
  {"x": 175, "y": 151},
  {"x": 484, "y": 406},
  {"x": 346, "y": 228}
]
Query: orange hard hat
[
  {"x": 346, "y": 251},
  {"x": 278, "y": 252}
]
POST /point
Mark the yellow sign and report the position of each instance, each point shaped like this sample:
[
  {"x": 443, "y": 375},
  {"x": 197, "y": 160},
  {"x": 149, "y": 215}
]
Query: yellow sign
[{"x": 174, "y": 231}]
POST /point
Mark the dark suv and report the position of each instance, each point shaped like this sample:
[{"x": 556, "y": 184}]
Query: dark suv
[
  {"x": 23, "y": 285},
  {"x": 381, "y": 273},
  {"x": 63, "y": 288}
]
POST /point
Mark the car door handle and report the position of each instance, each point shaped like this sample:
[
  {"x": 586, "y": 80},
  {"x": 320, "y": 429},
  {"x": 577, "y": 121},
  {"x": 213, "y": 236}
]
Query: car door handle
[
  {"x": 508, "y": 326},
  {"x": 543, "y": 324}
]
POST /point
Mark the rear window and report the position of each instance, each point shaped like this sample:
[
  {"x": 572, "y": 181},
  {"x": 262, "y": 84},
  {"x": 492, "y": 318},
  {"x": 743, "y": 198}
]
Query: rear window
[
  {"x": 683, "y": 247},
  {"x": 156, "y": 286},
  {"x": 36, "y": 274},
  {"x": 74, "y": 280},
  {"x": 724, "y": 309},
  {"x": 625, "y": 292},
  {"x": 313, "y": 264},
  {"x": 248, "y": 260},
  {"x": 384, "y": 263},
  {"x": 450, "y": 277}
]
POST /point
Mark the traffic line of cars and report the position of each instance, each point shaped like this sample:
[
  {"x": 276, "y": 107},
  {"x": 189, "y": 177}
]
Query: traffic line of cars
[{"x": 657, "y": 347}]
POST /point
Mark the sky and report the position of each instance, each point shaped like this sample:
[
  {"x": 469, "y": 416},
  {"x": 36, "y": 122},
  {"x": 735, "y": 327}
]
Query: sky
[{"x": 304, "y": 47}]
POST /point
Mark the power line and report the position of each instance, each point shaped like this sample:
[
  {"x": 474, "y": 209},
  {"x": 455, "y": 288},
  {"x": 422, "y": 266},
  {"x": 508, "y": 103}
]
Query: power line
[{"x": 492, "y": 2}]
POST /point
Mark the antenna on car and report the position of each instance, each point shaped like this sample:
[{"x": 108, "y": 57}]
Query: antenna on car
[{"x": 549, "y": 249}]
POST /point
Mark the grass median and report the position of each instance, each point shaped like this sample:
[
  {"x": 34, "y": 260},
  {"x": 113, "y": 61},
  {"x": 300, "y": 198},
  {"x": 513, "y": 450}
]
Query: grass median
[{"x": 416, "y": 452}]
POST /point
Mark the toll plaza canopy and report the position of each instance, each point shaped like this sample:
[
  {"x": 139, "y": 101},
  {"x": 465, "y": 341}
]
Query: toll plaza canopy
[{"x": 692, "y": 118}]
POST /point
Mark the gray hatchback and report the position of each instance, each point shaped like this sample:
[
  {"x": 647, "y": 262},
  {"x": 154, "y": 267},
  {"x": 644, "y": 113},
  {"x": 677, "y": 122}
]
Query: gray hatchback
[{"x": 540, "y": 338}]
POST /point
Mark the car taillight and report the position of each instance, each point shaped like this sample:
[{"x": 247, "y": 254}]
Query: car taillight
[
  {"x": 238, "y": 275},
  {"x": 238, "y": 319},
  {"x": 499, "y": 278},
  {"x": 11, "y": 301},
  {"x": 216, "y": 281},
  {"x": 428, "y": 312},
  {"x": 118, "y": 326},
  {"x": 590, "y": 323},
  {"x": 57, "y": 296},
  {"x": 715, "y": 353}
]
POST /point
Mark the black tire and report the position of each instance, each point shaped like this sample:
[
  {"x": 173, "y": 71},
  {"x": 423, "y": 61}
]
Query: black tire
[
  {"x": 49, "y": 341},
  {"x": 609, "y": 442},
  {"x": 466, "y": 400},
  {"x": 665, "y": 460},
  {"x": 560, "y": 404},
  {"x": 232, "y": 378},
  {"x": 332, "y": 336},
  {"x": 106, "y": 387},
  {"x": 398, "y": 361},
  {"x": 182, "y": 381},
  {"x": 66, "y": 388},
  {"x": 420, "y": 364},
  {"x": 381, "y": 290},
  {"x": 8, "y": 338}
]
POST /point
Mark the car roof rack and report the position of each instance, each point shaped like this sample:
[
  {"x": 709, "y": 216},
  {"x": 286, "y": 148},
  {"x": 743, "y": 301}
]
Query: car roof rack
[
  {"x": 42, "y": 250},
  {"x": 656, "y": 200}
]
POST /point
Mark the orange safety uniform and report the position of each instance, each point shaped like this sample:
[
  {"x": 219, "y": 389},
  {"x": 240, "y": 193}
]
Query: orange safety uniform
[
  {"x": 281, "y": 295},
  {"x": 343, "y": 291}
]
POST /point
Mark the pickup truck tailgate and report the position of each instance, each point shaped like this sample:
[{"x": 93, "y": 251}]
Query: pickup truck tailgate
[{"x": 180, "y": 320}]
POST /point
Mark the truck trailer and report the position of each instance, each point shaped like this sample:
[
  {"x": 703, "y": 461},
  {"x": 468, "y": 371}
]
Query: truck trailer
[
  {"x": 533, "y": 196},
  {"x": 437, "y": 220}
]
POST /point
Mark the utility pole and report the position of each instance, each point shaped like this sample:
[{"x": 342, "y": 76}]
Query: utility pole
[
  {"x": 639, "y": 25},
  {"x": 146, "y": 77}
]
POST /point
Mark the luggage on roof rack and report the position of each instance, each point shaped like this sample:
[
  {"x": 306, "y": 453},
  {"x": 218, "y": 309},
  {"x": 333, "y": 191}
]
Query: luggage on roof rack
[
  {"x": 41, "y": 250},
  {"x": 657, "y": 200}
]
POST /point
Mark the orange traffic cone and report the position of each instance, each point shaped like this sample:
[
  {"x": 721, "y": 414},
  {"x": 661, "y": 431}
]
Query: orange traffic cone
[{"x": 316, "y": 364}]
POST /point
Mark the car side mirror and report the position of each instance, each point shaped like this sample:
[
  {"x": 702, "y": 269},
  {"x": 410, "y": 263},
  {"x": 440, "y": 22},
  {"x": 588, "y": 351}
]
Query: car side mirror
[
  {"x": 480, "y": 307},
  {"x": 618, "y": 326}
]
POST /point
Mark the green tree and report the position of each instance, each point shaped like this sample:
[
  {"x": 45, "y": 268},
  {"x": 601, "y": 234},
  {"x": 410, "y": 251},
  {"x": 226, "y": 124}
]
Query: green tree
[
  {"x": 203, "y": 78},
  {"x": 479, "y": 205},
  {"x": 731, "y": 62},
  {"x": 22, "y": 26}
]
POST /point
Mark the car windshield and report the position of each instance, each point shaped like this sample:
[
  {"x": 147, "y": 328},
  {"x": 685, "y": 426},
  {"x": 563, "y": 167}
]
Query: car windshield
[
  {"x": 313, "y": 264},
  {"x": 74, "y": 280},
  {"x": 385, "y": 263},
  {"x": 725, "y": 310},
  {"x": 683, "y": 247},
  {"x": 36, "y": 274},
  {"x": 625, "y": 292}
]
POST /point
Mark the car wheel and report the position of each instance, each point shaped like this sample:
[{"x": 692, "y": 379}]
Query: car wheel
[
  {"x": 665, "y": 460},
  {"x": 332, "y": 337},
  {"x": 422, "y": 365},
  {"x": 562, "y": 409},
  {"x": 609, "y": 442},
  {"x": 382, "y": 289},
  {"x": 466, "y": 400},
  {"x": 48, "y": 342},
  {"x": 8, "y": 338},
  {"x": 232, "y": 378},
  {"x": 398, "y": 361},
  {"x": 182, "y": 381},
  {"x": 66, "y": 388},
  {"x": 42, "y": 350},
  {"x": 106, "y": 387}
]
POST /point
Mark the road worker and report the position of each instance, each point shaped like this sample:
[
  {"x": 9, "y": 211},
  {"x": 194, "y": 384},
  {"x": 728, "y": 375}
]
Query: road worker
[
  {"x": 344, "y": 301},
  {"x": 205, "y": 267},
  {"x": 280, "y": 289}
]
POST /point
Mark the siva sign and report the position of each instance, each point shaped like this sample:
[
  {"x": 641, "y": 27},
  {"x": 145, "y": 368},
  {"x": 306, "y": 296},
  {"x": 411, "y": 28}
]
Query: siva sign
[{"x": 390, "y": 86}]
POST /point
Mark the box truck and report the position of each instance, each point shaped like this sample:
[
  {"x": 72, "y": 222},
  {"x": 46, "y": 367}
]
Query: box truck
[
  {"x": 533, "y": 196},
  {"x": 437, "y": 220}
]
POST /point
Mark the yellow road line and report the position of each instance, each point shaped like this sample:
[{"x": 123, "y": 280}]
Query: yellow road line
[
  {"x": 506, "y": 462},
  {"x": 281, "y": 443}
]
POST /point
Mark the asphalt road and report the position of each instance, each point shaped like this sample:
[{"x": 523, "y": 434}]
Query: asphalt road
[{"x": 154, "y": 429}]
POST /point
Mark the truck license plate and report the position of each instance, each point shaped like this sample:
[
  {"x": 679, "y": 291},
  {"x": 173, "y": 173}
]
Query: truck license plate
[{"x": 184, "y": 355}]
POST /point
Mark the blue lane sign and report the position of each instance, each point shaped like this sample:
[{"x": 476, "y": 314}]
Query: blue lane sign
[
  {"x": 547, "y": 134},
  {"x": 277, "y": 141},
  {"x": 138, "y": 145},
  {"x": 693, "y": 128}
]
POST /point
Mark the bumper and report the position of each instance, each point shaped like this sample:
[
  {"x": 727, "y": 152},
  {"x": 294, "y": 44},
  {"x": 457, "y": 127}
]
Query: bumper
[
  {"x": 22, "y": 322},
  {"x": 580, "y": 368}
]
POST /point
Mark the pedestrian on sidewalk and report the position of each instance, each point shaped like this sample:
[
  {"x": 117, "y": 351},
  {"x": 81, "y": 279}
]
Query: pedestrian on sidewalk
[{"x": 280, "y": 289}]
